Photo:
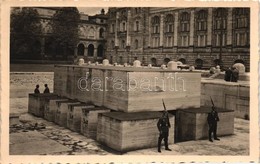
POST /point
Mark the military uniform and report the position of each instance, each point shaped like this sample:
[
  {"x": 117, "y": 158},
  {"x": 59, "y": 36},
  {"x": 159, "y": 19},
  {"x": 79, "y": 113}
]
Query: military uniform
[
  {"x": 212, "y": 121},
  {"x": 163, "y": 127}
]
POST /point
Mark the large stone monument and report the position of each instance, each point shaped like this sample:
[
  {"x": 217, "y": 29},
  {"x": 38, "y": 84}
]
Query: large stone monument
[{"x": 127, "y": 103}]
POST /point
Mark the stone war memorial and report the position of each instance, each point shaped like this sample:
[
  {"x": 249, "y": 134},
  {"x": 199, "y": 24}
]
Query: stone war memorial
[{"x": 119, "y": 105}]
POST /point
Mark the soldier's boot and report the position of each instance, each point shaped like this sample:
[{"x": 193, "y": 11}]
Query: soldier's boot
[
  {"x": 159, "y": 146},
  {"x": 166, "y": 146},
  {"x": 210, "y": 137}
]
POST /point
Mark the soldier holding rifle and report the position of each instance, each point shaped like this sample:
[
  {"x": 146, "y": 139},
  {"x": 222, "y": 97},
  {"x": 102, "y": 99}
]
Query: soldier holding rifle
[
  {"x": 212, "y": 121},
  {"x": 163, "y": 127}
]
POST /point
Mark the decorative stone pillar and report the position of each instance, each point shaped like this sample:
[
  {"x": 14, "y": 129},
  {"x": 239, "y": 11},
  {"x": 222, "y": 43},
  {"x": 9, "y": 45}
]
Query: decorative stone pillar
[
  {"x": 116, "y": 29},
  {"x": 149, "y": 31},
  {"x": 86, "y": 51},
  {"x": 161, "y": 30},
  {"x": 191, "y": 28},
  {"x": 95, "y": 54},
  {"x": 176, "y": 22},
  {"x": 128, "y": 38},
  {"x": 229, "y": 27},
  {"x": 209, "y": 27}
]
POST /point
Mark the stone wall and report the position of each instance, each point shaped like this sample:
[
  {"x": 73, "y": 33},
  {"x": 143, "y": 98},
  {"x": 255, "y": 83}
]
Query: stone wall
[{"x": 227, "y": 95}]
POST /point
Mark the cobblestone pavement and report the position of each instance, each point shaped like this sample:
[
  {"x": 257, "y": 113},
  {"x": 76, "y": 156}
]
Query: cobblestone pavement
[{"x": 81, "y": 145}]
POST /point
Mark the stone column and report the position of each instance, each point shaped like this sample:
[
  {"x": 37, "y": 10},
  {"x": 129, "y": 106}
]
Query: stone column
[
  {"x": 128, "y": 38},
  {"x": 95, "y": 54},
  {"x": 116, "y": 29},
  {"x": 176, "y": 22},
  {"x": 86, "y": 51},
  {"x": 149, "y": 31},
  {"x": 191, "y": 28},
  {"x": 209, "y": 27},
  {"x": 161, "y": 30},
  {"x": 229, "y": 27}
]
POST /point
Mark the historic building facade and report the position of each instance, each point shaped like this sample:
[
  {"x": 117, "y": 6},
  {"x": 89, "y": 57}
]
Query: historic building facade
[
  {"x": 202, "y": 37},
  {"x": 92, "y": 32}
]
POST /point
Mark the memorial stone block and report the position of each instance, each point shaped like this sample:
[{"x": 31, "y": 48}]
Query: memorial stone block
[
  {"x": 89, "y": 120},
  {"x": 51, "y": 107},
  {"x": 191, "y": 124},
  {"x": 130, "y": 131},
  {"x": 74, "y": 115},
  {"x": 61, "y": 112},
  {"x": 37, "y": 103}
]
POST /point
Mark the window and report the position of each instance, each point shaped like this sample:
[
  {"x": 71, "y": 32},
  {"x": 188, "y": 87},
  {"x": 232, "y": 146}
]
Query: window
[
  {"x": 136, "y": 26},
  {"x": 201, "y": 40},
  {"x": 220, "y": 26},
  {"x": 156, "y": 24},
  {"x": 124, "y": 26},
  {"x": 169, "y": 23},
  {"x": 241, "y": 30},
  {"x": 169, "y": 41},
  {"x": 241, "y": 39},
  {"x": 185, "y": 24},
  {"x": 112, "y": 28},
  {"x": 202, "y": 20},
  {"x": 220, "y": 39},
  {"x": 136, "y": 44},
  {"x": 156, "y": 41},
  {"x": 220, "y": 19},
  {"x": 184, "y": 41},
  {"x": 123, "y": 44}
]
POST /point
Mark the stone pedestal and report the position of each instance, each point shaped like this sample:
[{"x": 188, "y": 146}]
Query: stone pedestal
[
  {"x": 129, "y": 89},
  {"x": 37, "y": 103},
  {"x": 89, "y": 120},
  {"x": 61, "y": 112},
  {"x": 191, "y": 124},
  {"x": 74, "y": 116},
  {"x": 51, "y": 107},
  {"x": 130, "y": 131}
]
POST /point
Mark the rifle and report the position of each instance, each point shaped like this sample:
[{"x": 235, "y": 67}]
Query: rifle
[
  {"x": 164, "y": 106},
  {"x": 212, "y": 102}
]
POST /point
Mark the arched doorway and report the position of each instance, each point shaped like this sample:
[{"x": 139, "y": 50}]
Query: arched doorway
[
  {"x": 91, "y": 50},
  {"x": 182, "y": 60},
  {"x": 100, "y": 51},
  {"x": 239, "y": 61},
  {"x": 153, "y": 62},
  {"x": 81, "y": 49},
  {"x": 217, "y": 62},
  {"x": 199, "y": 63},
  {"x": 166, "y": 61}
]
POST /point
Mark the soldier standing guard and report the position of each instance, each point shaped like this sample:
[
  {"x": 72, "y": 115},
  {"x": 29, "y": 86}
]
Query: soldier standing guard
[
  {"x": 163, "y": 127},
  {"x": 212, "y": 121}
]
